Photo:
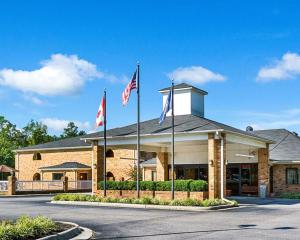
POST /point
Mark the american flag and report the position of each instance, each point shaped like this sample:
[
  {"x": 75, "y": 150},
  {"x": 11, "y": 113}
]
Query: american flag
[{"x": 130, "y": 86}]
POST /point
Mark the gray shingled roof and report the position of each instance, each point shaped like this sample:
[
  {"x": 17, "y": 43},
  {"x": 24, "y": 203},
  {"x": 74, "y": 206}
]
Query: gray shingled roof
[
  {"x": 183, "y": 124},
  {"x": 73, "y": 142},
  {"x": 148, "y": 162},
  {"x": 66, "y": 165},
  {"x": 287, "y": 146},
  {"x": 184, "y": 85}
]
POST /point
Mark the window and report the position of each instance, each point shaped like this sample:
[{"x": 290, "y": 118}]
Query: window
[
  {"x": 292, "y": 176},
  {"x": 110, "y": 176},
  {"x": 110, "y": 153},
  {"x": 57, "y": 176},
  {"x": 37, "y": 156},
  {"x": 36, "y": 177}
]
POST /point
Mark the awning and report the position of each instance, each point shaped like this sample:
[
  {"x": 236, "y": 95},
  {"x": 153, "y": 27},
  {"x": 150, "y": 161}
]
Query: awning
[{"x": 66, "y": 166}]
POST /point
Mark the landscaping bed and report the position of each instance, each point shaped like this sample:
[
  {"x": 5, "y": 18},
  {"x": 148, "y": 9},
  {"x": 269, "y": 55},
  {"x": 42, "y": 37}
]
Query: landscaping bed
[
  {"x": 29, "y": 228},
  {"x": 290, "y": 195},
  {"x": 144, "y": 200}
]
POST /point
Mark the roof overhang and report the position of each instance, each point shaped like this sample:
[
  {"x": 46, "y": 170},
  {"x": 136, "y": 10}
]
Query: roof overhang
[
  {"x": 63, "y": 169},
  {"x": 282, "y": 162},
  {"x": 50, "y": 149}
]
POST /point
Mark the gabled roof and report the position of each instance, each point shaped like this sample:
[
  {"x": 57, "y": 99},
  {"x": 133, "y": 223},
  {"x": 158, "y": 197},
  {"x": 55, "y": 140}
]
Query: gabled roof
[
  {"x": 66, "y": 166},
  {"x": 183, "y": 124},
  {"x": 184, "y": 86},
  {"x": 287, "y": 146},
  {"x": 67, "y": 143}
]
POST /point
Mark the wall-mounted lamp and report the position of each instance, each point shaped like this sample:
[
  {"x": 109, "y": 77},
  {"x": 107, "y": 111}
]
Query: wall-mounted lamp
[
  {"x": 211, "y": 162},
  {"x": 94, "y": 165}
]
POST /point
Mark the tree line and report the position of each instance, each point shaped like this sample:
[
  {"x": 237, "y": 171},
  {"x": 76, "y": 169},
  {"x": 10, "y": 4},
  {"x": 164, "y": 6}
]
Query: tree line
[{"x": 12, "y": 138}]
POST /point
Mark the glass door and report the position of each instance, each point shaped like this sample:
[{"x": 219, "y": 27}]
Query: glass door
[{"x": 233, "y": 178}]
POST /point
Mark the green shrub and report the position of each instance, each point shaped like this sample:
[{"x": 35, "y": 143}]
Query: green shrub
[
  {"x": 198, "y": 186},
  {"x": 182, "y": 185},
  {"x": 290, "y": 195},
  {"x": 148, "y": 185},
  {"x": 163, "y": 185},
  {"x": 26, "y": 228}
]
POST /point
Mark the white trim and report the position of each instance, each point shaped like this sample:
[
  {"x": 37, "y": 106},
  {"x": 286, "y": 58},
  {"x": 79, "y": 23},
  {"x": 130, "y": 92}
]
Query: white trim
[
  {"x": 246, "y": 141},
  {"x": 285, "y": 162}
]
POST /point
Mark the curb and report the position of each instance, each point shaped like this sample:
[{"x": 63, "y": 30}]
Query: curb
[
  {"x": 76, "y": 232},
  {"x": 143, "y": 206}
]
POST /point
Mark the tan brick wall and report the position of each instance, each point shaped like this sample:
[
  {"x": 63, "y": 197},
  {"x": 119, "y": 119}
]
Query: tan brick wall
[
  {"x": 279, "y": 180},
  {"x": 162, "y": 166},
  {"x": 28, "y": 167},
  {"x": 263, "y": 167},
  {"x": 119, "y": 165},
  {"x": 214, "y": 170},
  {"x": 148, "y": 173}
]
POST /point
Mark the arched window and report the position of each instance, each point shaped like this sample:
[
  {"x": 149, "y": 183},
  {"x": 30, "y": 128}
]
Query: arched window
[
  {"x": 110, "y": 176},
  {"x": 110, "y": 153},
  {"x": 37, "y": 177},
  {"x": 37, "y": 156}
]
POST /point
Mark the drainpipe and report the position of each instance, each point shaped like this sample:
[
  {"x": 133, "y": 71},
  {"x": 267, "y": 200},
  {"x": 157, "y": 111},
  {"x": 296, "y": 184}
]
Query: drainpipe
[{"x": 222, "y": 167}]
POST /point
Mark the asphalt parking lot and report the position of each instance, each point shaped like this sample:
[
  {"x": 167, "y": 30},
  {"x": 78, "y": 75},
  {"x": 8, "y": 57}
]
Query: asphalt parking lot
[{"x": 267, "y": 219}]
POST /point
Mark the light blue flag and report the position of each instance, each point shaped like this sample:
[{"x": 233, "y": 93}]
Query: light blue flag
[{"x": 167, "y": 108}]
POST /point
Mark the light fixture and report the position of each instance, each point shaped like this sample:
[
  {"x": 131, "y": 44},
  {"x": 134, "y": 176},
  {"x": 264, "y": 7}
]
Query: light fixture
[{"x": 211, "y": 162}]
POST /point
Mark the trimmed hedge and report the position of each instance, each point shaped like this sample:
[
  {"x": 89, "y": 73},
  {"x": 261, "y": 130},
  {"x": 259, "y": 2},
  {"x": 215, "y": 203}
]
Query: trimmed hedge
[{"x": 180, "y": 185}]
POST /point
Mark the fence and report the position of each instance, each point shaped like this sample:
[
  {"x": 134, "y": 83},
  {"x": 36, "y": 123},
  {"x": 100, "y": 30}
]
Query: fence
[
  {"x": 80, "y": 185},
  {"x": 52, "y": 185},
  {"x": 3, "y": 186}
]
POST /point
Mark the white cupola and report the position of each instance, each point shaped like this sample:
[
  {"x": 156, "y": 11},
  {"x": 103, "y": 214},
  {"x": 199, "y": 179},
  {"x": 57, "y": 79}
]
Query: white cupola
[{"x": 187, "y": 99}]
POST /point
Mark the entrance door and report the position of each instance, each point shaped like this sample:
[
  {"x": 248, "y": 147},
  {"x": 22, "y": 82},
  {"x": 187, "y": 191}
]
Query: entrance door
[{"x": 233, "y": 178}]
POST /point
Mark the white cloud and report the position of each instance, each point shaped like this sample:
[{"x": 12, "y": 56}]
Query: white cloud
[
  {"x": 195, "y": 74},
  {"x": 59, "y": 75},
  {"x": 286, "y": 68},
  {"x": 58, "y": 125}
]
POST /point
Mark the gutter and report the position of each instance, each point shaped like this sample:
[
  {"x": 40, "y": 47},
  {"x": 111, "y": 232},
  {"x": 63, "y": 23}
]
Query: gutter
[{"x": 48, "y": 149}]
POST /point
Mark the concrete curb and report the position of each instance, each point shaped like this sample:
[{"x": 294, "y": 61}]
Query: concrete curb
[
  {"x": 76, "y": 232},
  {"x": 143, "y": 206}
]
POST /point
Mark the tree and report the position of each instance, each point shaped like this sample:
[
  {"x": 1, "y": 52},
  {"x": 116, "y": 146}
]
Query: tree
[
  {"x": 10, "y": 139},
  {"x": 36, "y": 133},
  {"x": 71, "y": 131}
]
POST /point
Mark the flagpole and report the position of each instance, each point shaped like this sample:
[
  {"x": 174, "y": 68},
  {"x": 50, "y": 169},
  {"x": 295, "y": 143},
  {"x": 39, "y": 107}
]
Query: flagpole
[
  {"x": 104, "y": 146},
  {"x": 173, "y": 144},
  {"x": 138, "y": 132}
]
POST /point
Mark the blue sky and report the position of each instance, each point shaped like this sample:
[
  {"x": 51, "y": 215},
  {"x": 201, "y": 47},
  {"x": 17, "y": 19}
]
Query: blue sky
[{"x": 56, "y": 57}]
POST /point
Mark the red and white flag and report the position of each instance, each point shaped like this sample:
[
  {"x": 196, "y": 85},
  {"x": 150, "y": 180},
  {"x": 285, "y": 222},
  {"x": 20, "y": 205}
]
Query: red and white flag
[
  {"x": 130, "y": 86},
  {"x": 100, "y": 114}
]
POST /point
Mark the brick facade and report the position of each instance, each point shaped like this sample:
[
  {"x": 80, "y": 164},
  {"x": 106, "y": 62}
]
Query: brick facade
[
  {"x": 264, "y": 168},
  {"x": 119, "y": 165},
  {"x": 279, "y": 179}
]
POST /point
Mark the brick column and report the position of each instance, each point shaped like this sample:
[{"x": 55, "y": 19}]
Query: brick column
[
  {"x": 11, "y": 188},
  {"x": 263, "y": 168},
  {"x": 97, "y": 165},
  {"x": 162, "y": 170},
  {"x": 214, "y": 166}
]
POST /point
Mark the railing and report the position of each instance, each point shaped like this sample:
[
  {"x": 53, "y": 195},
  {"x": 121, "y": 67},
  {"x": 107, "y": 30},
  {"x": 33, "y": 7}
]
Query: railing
[
  {"x": 80, "y": 185},
  {"x": 3, "y": 186},
  {"x": 52, "y": 185},
  {"x": 39, "y": 185}
]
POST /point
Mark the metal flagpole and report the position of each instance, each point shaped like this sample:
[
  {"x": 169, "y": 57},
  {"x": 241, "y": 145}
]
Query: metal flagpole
[
  {"x": 104, "y": 147},
  {"x": 138, "y": 132},
  {"x": 173, "y": 145}
]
